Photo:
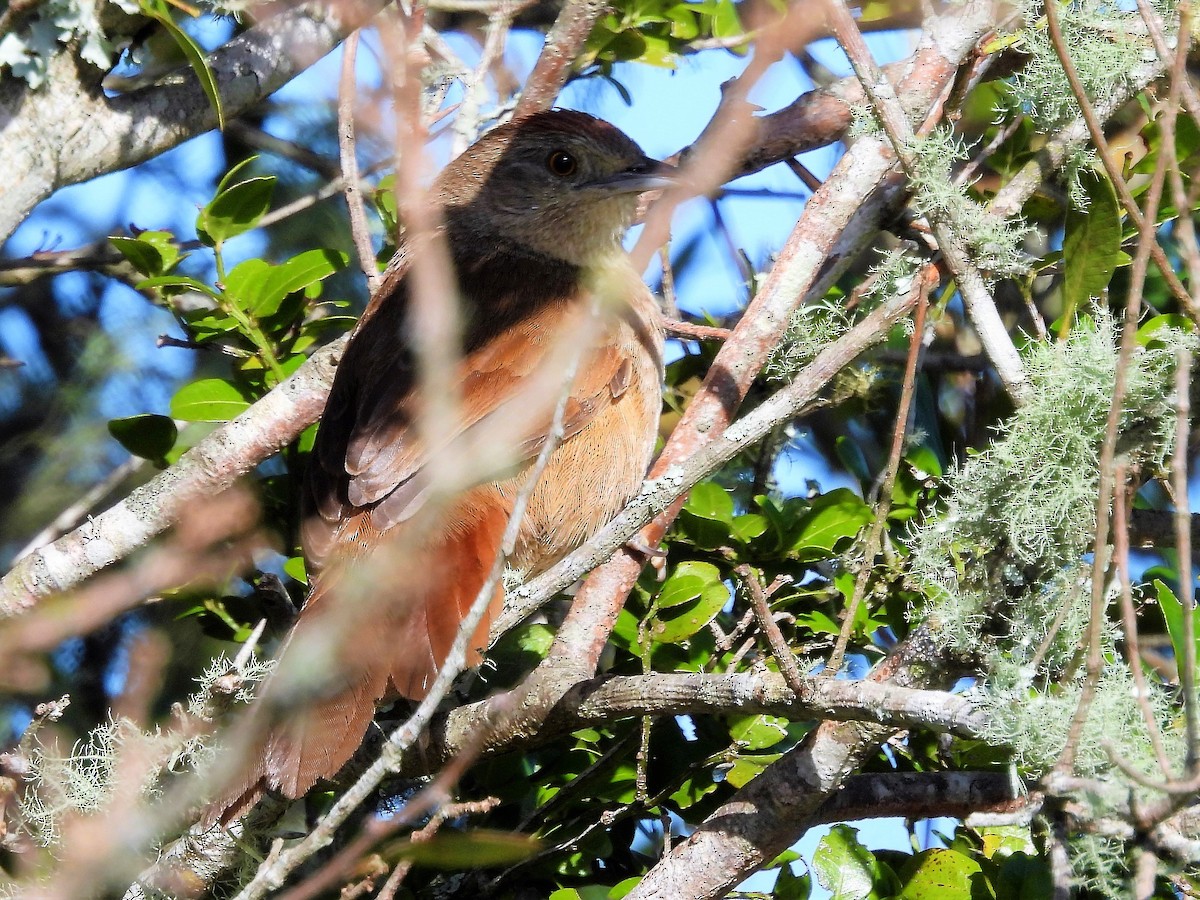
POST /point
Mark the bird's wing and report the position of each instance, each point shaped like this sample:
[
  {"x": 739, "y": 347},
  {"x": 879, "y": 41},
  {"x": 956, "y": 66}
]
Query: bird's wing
[{"x": 369, "y": 458}]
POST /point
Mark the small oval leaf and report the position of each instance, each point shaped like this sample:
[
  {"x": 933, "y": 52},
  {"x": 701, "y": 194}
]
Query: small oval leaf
[
  {"x": 208, "y": 400},
  {"x": 148, "y": 436}
]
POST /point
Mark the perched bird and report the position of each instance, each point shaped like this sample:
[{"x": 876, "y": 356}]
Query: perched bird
[{"x": 533, "y": 215}]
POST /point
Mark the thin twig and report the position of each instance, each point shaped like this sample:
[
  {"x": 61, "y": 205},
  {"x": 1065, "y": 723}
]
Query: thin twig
[
  {"x": 679, "y": 328},
  {"x": 1183, "y": 38},
  {"x": 73, "y": 514},
  {"x": 1129, "y": 616},
  {"x": 432, "y": 797},
  {"x": 968, "y": 172},
  {"x": 1143, "y": 224},
  {"x": 801, "y": 171},
  {"x": 926, "y": 281},
  {"x": 563, "y": 43},
  {"x": 1147, "y": 240},
  {"x": 779, "y": 648},
  {"x": 981, "y": 306},
  {"x": 466, "y": 123},
  {"x": 670, "y": 305},
  {"x": 359, "y": 230},
  {"x": 1183, "y": 547}
]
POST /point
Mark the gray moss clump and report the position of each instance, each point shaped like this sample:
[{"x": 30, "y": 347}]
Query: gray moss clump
[
  {"x": 814, "y": 326},
  {"x": 87, "y": 779},
  {"x": 1029, "y": 499},
  {"x": 1007, "y": 573}
]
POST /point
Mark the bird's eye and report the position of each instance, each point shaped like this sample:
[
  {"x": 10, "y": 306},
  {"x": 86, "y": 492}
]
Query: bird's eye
[{"x": 561, "y": 163}]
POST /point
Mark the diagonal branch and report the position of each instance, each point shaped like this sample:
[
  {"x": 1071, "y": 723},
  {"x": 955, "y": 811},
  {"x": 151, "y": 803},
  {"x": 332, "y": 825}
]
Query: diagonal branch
[{"x": 563, "y": 43}]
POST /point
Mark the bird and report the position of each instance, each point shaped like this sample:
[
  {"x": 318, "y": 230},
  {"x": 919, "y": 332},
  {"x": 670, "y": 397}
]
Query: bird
[{"x": 532, "y": 216}]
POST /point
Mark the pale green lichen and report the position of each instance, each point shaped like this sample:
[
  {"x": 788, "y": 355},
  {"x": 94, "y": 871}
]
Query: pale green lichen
[
  {"x": 26, "y": 51},
  {"x": 816, "y": 325},
  {"x": 994, "y": 242},
  {"x": 88, "y": 778},
  {"x": 1007, "y": 571}
]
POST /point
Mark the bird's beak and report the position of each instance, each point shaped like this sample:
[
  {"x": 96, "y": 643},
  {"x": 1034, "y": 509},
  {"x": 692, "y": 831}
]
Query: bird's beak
[{"x": 645, "y": 175}]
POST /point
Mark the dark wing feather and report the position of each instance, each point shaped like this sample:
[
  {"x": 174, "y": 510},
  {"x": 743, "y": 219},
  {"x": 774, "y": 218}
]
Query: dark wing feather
[{"x": 369, "y": 458}]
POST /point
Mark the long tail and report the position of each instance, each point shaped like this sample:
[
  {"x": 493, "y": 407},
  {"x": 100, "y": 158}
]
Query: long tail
[{"x": 394, "y": 644}]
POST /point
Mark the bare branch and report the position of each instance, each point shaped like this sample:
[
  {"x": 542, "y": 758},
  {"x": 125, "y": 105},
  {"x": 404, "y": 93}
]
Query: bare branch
[
  {"x": 563, "y": 43},
  {"x": 66, "y": 136}
]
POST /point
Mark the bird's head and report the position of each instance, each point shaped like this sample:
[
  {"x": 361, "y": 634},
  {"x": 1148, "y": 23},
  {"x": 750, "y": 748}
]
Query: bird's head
[{"x": 561, "y": 183}]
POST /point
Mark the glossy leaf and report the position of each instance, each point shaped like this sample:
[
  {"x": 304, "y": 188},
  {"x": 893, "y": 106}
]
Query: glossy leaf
[
  {"x": 297, "y": 274},
  {"x": 176, "y": 284},
  {"x": 1091, "y": 242},
  {"x": 235, "y": 210},
  {"x": 832, "y": 518},
  {"x": 150, "y": 252},
  {"x": 790, "y": 886},
  {"x": 1172, "y": 610},
  {"x": 845, "y": 867},
  {"x": 160, "y": 11},
  {"x": 710, "y": 501},
  {"x": 208, "y": 400},
  {"x": 758, "y": 732},
  {"x": 687, "y": 582},
  {"x": 148, "y": 436},
  {"x": 939, "y": 874},
  {"x": 746, "y": 768},
  {"x": 688, "y": 615},
  {"x": 295, "y": 568}
]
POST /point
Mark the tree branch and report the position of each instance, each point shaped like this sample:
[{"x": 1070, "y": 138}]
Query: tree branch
[
  {"x": 767, "y": 815},
  {"x": 208, "y": 468},
  {"x": 69, "y": 132}
]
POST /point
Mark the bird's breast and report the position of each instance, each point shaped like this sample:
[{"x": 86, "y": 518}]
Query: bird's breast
[{"x": 592, "y": 475}]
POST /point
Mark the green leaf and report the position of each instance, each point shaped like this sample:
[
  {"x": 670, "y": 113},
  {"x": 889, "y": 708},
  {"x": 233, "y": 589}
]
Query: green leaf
[
  {"x": 167, "y": 282},
  {"x": 232, "y": 177},
  {"x": 845, "y": 867},
  {"x": 725, "y": 23},
  {"x": 297, "y": 274},
  {"x": 1091, "y": 242},
  {"x": 749, "y": 526},
  {"x": 235, "y": 210},
  {"x": 923, "y": 459},
  {"x": 689, "y": 613},
  {"x": 818, "y": 623},
  {"x": 148, "y": 436},
  {"x": 208, "y": 400},
  {"x": 687, "y": 582},
  {"x": 1148, "y": 333},
  {"x": 790, "y": 886},
  {"x": 246, "y": 281},
  {"x": 1024, "y": 876},
  {"x": 758, "y": 732},
  {"x": 707, "y": 516},
  {"x": 143, "y": 257},
  {"x": 939, "y": 874},
  {"x": 746, "y": 768},
  {"x": 479, "y": 848},
  {"x": 160, "y": 11},
  {"x": 831, "y": 518},
  {"x": 295, "y": 568},
  {"x": 692, "y": 790},
  {"x": 621, "y": 888},
  {"x": 1172, "y": 610},
  {"x": 151, "y": 252},
  {"x": 260, "y": 288},
  {"x": 710, "y": 501}
]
